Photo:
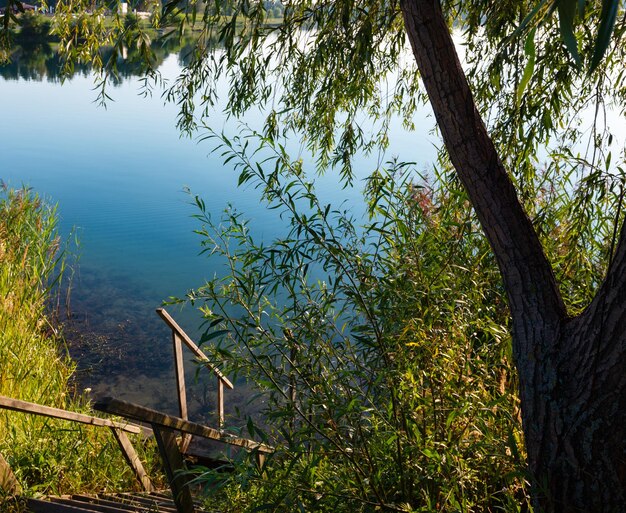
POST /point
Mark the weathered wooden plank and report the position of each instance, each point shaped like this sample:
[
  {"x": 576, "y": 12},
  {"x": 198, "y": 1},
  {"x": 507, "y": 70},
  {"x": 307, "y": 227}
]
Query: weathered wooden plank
[
  {"x": 8, "y": 481},
  {"x": 132, "y": 459},
  {"x": 179, "y": 368},
  {"x": 47, "y": 411},
  {"x": 174, "y": 468},
  {"x": 119, "y": 505},
  {"x": 41, "y": 506},
  {"x": 104, "y": 503},
  {"x": 180, "y": 375},
  {"x": 155, "y": 501},
  {"x": 143, "y": 414},
  {"x": 132, "y": 502},
  {"x": 192, "y": 346},
  {"x": 161, "y": 494},
  {"x": 100, "y": 505},
  {"x": 260, "y": 459},
  {"x": 91, "y": 505}
]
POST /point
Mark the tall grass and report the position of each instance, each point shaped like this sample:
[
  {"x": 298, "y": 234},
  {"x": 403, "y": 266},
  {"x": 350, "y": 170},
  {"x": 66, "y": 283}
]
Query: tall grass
[{"x": 47, "y": 455}]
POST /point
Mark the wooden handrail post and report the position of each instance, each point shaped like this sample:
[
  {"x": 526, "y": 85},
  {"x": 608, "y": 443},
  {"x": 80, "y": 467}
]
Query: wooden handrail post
[
  {"x": 220, "y": 403},
  {"x": 179, "y": 368},
  {"x": 180, "y": 337}
]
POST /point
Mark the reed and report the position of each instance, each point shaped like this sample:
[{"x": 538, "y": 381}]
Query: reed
[{"x": 47, "y": 455}]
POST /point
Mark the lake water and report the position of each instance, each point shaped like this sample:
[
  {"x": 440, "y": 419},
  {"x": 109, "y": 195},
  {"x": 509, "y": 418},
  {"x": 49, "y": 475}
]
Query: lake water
[{"x": 118, "y": 175}]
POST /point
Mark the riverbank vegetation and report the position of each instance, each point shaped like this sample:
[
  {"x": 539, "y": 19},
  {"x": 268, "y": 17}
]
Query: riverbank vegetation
[
  {"x": 385, "y": 369},
  {"x": 47, "y": 455},
  {"x": 517, "y": 88},
  {"x": 388, "y": 381},
  {"x": 31, "y": 47},
  {"x": 382, "y": 351}
]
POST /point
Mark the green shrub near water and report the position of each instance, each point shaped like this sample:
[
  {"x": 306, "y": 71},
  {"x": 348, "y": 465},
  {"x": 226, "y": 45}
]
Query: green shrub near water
[
  {"x": 381, "y": 347},
  {"x": 47, "y": 455},
  {"x": 381, "y": 352}
]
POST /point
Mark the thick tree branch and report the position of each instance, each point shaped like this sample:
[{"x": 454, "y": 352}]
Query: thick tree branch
[
  {"x": 527, "y": 274},
  {"x": 607, "y": 313},
  {"x": 613, "y": 287}
]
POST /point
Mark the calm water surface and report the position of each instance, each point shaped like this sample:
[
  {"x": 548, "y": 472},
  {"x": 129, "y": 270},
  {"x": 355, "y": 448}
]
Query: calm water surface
[{"x": 118, "y": 175}]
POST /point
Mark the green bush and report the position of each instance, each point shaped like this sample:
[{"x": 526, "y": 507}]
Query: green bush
[
  {"x": 381, "y": 353},
  {"x": 34, "y": 30}
]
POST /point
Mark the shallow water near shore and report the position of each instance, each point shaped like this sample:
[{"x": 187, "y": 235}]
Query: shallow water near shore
[{"x": 118, "y": 176}]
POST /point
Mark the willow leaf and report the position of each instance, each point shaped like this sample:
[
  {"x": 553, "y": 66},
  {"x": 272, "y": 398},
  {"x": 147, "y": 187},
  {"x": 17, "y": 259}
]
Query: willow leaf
[
  {"x": 607, "y": 22},
  {"x": 529, "y": 49},
  {"x": 567, "y": 13}
]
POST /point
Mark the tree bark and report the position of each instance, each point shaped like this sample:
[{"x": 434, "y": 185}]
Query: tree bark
[{"x": 572, "y": 371}]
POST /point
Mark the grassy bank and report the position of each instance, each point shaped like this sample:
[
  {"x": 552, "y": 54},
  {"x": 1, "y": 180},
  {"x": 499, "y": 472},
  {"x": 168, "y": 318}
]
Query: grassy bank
[{"x": 47, "y": 456}]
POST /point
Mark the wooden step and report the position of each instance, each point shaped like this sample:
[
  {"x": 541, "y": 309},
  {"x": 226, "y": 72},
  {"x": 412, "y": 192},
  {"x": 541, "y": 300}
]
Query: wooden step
[
  {"x": 125, "y": 506},
  {"x": 139, "y": 502},
  {"x": 44, "y": 506},
  {"x": 89, "y": 506},
  {"x": 105, "y": 503}
]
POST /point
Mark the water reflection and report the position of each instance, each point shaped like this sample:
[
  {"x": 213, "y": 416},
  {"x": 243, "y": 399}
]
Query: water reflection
[
  {"x": 125, "y": 354},
  {"x": 121, "y": 352},
  {"x": 35, "y": 56}
]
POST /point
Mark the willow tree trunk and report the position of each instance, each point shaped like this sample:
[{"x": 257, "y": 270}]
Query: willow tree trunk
[{"x": 572, "y": 371}]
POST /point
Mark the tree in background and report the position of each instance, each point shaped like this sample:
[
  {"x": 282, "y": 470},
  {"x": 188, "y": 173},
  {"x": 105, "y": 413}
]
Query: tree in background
[{"x": 329, "y": 64}]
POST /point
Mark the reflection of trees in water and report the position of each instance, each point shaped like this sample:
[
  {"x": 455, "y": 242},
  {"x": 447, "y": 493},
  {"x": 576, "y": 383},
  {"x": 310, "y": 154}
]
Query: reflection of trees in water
[
  {"x": 34, "y": 56},
  {"x": 38, "y": 62},
  {"x": 36, "y": 59}
]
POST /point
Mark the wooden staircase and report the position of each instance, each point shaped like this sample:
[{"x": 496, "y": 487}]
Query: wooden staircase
[
  {"x": 172, "y": 434},
  {"x": 154, "y": 502}
]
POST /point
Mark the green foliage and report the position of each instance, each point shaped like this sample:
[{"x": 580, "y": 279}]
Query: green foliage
[
  {"x": 47, "y": 456},
  {"x": 381, "y": 353},
  {"x": 325, "y": 70},
  {"x": 550, "y": 123},
  {"x": 336, "y": 72},
  {"x": 573, "y": 11},
  {"x": 29, "y": 253}
]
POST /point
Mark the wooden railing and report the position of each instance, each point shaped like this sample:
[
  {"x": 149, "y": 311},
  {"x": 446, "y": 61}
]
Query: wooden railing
[
  {"x": 178, "y": 338},
  {"x": 118, "y": 429},
  {"x": 164, "y": 428}
]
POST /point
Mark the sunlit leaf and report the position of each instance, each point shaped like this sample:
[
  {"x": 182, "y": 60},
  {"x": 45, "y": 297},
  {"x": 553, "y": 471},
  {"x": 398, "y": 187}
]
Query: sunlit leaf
[{"x": 529, "y": 50}]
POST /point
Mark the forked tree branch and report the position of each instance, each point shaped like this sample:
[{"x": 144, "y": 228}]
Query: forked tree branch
[{"x": 527, "y": 274}]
